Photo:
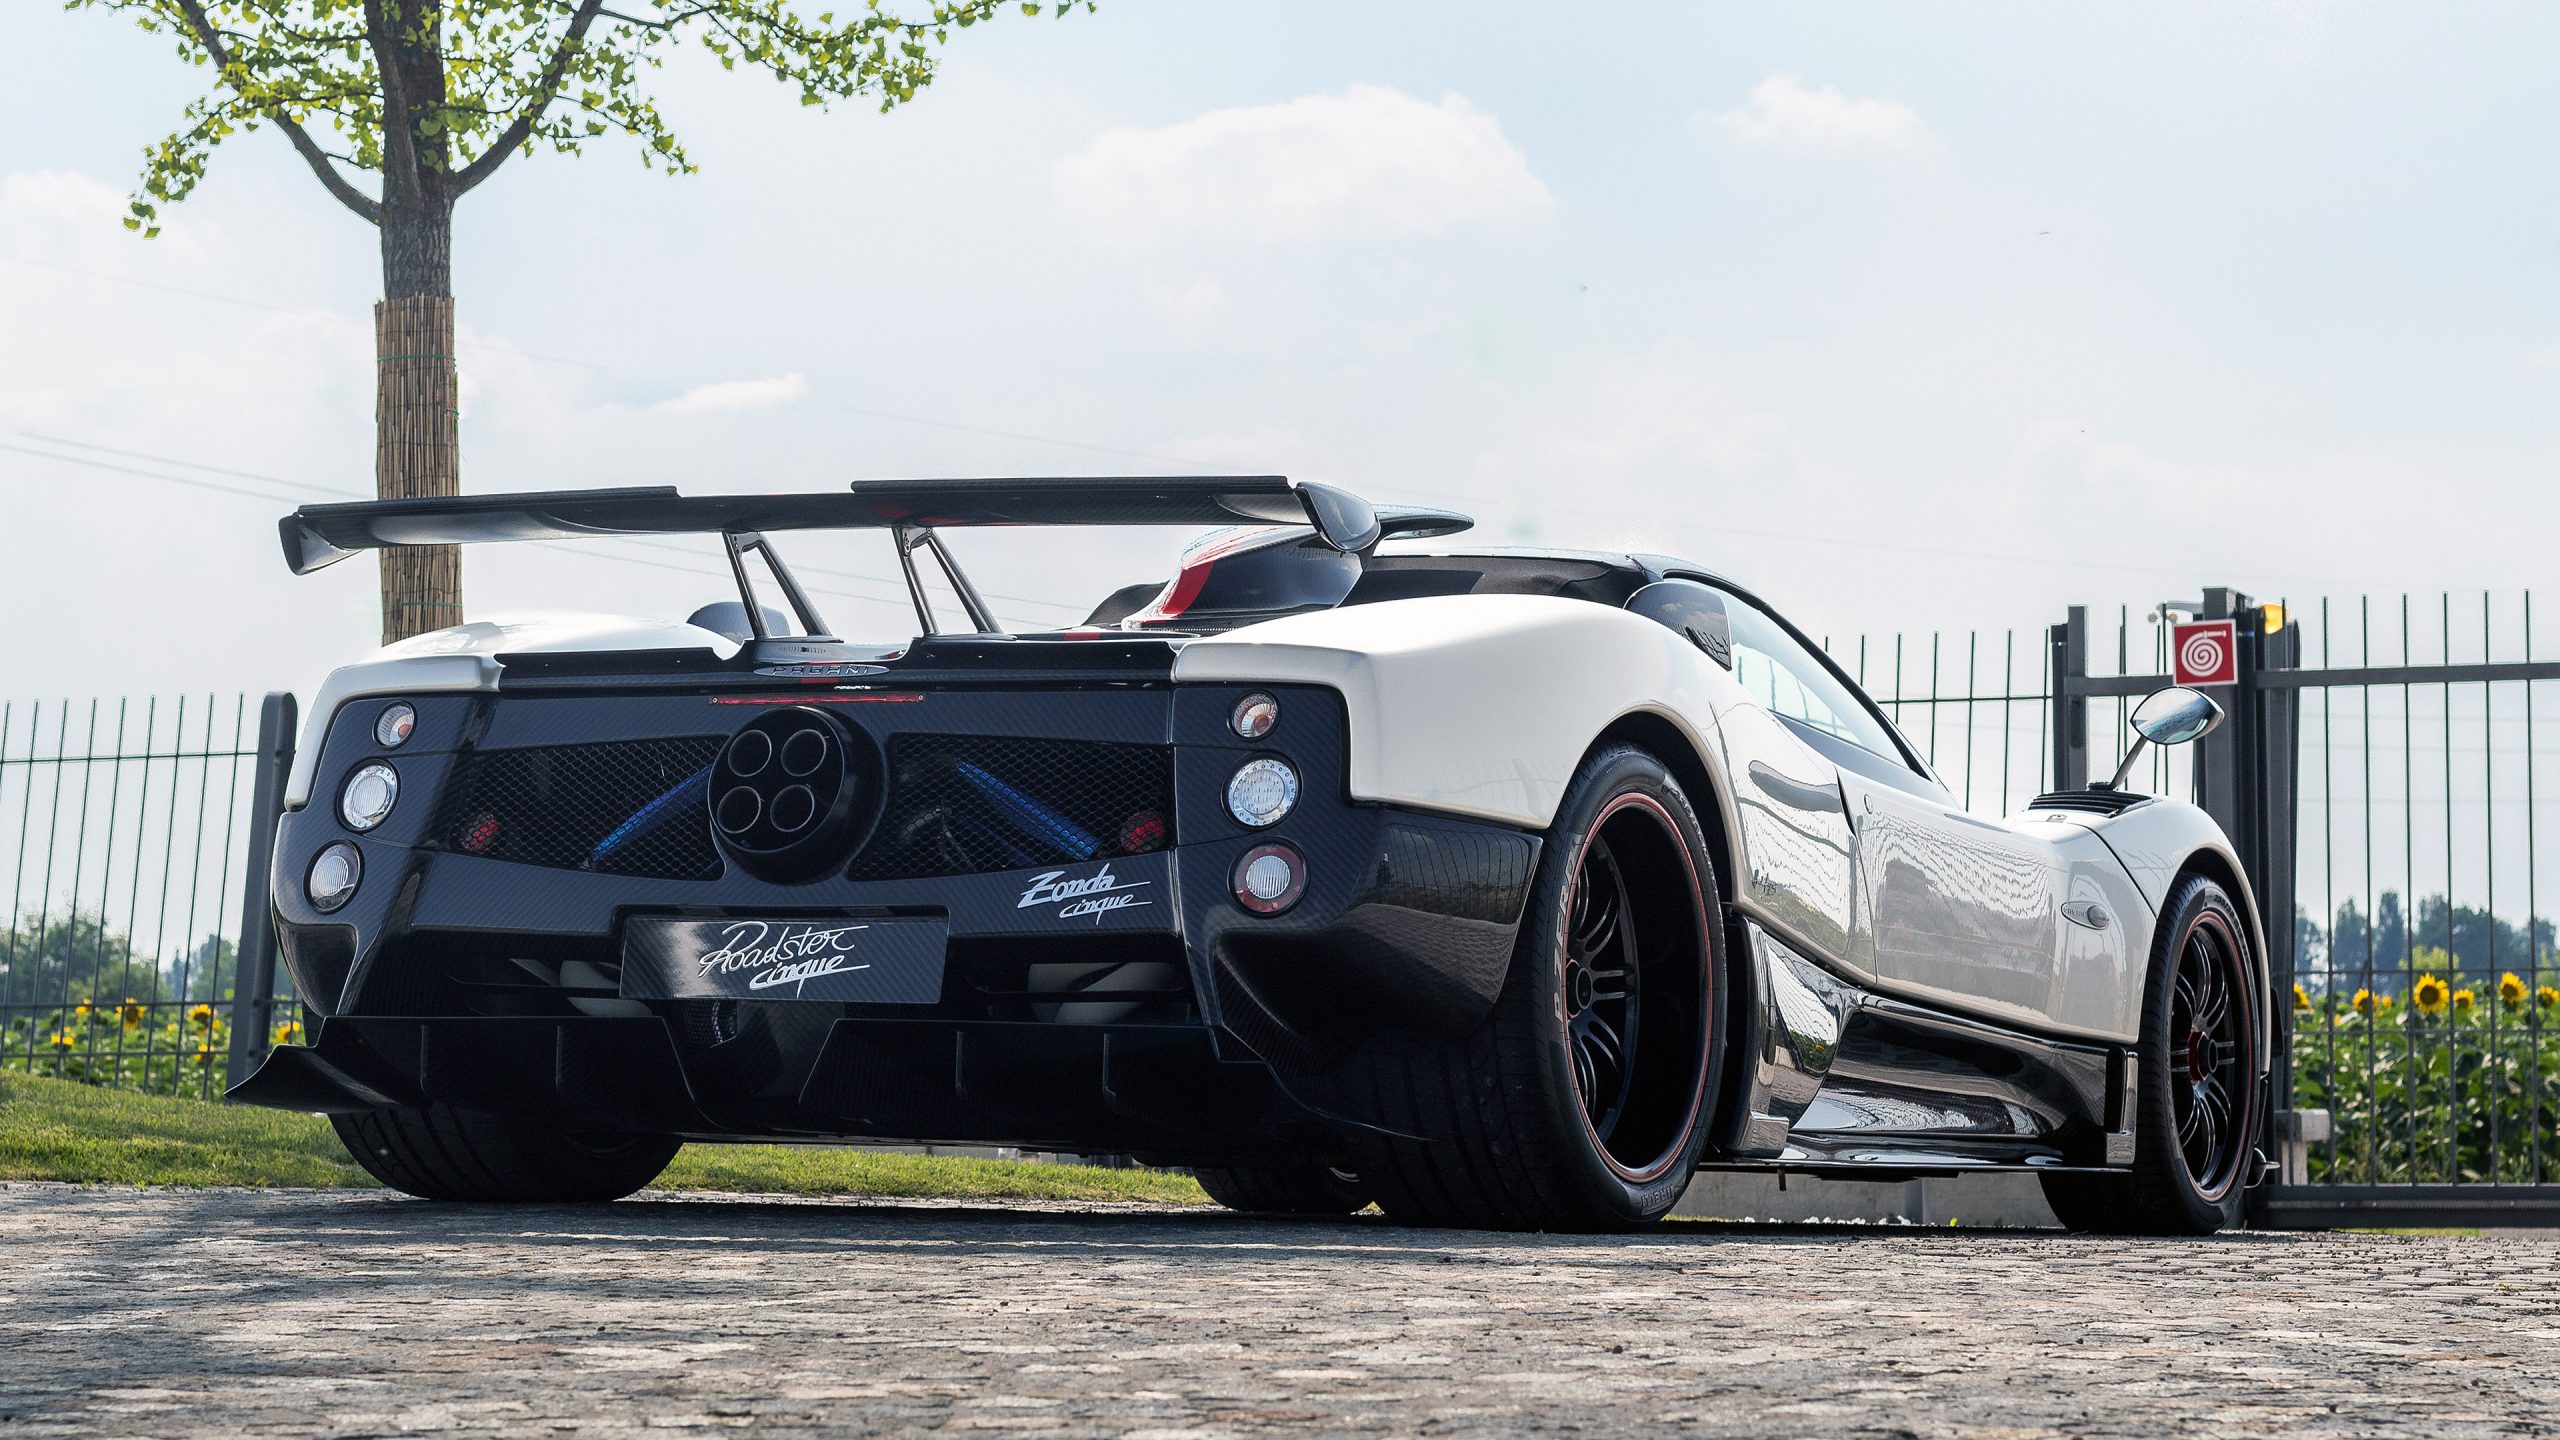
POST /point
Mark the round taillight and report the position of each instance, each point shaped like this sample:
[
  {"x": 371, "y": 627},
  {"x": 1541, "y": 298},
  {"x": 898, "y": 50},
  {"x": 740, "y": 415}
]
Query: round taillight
[
  {"x": 1262, "y": 791},
  {"x": 391, "y": 728},
  {"x": 1254, "y": 716},
  {"x": 334, "y": 873},
  {"x": 1269, "y": 879},
  {"x": 369, "y": 795}
]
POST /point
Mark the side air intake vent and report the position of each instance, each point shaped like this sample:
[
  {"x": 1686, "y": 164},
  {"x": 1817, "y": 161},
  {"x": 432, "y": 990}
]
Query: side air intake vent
[{"x": 2093, "y": 802}]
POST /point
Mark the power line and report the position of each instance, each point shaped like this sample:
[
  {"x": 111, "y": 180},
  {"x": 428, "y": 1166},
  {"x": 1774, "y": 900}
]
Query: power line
[
  {"x": 266, "y": 305},
  {"x": 884, "y": 593},
  {"x": 2074, "y": 562},
  {"x": 190, "y": 465}
]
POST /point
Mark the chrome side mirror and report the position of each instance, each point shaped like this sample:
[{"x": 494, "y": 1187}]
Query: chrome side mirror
[{"x": 2167, "y": 717}]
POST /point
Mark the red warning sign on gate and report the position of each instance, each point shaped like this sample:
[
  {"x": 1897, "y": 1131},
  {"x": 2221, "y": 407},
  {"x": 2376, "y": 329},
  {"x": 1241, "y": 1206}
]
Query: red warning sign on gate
[{"x": 2205, "y": 652}]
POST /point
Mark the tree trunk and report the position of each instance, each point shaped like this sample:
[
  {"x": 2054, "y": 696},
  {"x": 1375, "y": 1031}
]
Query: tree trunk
[{"x": 417, "y": 402}]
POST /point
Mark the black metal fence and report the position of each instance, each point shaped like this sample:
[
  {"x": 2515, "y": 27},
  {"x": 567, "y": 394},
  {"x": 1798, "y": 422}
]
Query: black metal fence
[
  {"x": 2426, "y": 1014},
  {"x": 133, "y": 836}
]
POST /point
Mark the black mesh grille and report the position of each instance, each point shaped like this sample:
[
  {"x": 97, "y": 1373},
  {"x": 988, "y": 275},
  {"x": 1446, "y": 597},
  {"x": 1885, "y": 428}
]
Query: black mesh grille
[
  {"x": 957, "y": 805},
  {"x": 630, "y": 807},
  {"x": 2096, "y": 802},
  {"x": 962, "y": 805}
]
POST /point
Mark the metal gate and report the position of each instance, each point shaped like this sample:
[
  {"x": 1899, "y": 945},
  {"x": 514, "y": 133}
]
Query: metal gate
[{"x": 2378, "y": 778}]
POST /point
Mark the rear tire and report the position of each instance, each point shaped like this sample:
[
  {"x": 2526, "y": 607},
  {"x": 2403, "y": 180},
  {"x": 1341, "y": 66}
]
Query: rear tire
[
  {"x": 1285, "y": 1189},
  {"x": 1582, "y": 1102},
  {"x": 441, "y": 1153},
  {"x": 2194, "y": 1140}
]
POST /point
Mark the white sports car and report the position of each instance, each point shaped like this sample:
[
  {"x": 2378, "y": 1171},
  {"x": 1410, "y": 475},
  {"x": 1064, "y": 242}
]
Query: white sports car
[{"x": 1499, "y": 887}]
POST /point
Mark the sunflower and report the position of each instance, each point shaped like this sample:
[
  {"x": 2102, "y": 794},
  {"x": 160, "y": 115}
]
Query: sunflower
[
  {"x": 2511, "y": 990},
  {"x": 83, "y": 1012},
  {"x": 2364, "y": 1002},
  {"x": 2463, "y": 1000},
  {"x": 201, "y": 1017},
  {"x": 2430, "y": 994},
  {"x": 288, "y": 1033},
  {"x": 63, "y": 1040},
  {"x": 2546, "y": 997},
  {"x": 133, "y": 1012},
  {"x": 2301, "y": 997}
]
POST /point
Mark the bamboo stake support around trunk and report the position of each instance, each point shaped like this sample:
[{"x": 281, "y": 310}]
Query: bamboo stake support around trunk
[{"x": 418, "y": 451}]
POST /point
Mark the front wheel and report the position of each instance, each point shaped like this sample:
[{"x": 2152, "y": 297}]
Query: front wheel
[
  {"x": 440, "y": 1153},
  {"x": 1581, "y": 1102},
  {"x": 2194, "y": 1135}
]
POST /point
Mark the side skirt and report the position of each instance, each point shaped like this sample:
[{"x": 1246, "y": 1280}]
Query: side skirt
[{"x": 1843, "y": 1080}]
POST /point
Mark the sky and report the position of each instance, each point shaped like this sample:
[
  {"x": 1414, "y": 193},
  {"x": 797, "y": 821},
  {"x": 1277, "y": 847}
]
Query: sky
[{"x": 1912, "y": 318}]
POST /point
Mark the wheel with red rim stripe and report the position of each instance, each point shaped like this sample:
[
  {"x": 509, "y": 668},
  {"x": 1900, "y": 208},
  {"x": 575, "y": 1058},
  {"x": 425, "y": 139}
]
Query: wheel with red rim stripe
[
  {"x": 2197, "y": 1081},
  {"x": 1582, "y": 1102}
]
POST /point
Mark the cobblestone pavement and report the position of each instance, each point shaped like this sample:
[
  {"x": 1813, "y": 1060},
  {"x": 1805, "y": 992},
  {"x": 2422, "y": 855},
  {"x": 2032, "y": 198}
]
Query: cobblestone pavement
[{"x": 228, "y": 1313}]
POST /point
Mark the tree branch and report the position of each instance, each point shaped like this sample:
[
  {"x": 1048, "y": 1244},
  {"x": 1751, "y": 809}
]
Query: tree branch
[
  {"x": 312, "y": 155},
  {"x": 516, "y": 133},
  {"x": 399, "y": 144}
]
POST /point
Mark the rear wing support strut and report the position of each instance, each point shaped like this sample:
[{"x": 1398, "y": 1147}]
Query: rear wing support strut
[{"x": 738, "y": 543}]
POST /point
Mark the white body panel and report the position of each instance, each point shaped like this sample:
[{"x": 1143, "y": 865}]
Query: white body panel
[
  {"x": 1958, "y": 910},
  {"x": 1476, "y": 705},
  {"x": 1483, "y": 706},
  {"x": 2154, "y": 843},
  {"x": 462, "y": 657},
  {"x": 1797, "y": 870}
]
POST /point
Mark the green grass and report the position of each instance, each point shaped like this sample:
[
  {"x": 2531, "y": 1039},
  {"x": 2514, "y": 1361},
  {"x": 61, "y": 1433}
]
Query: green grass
[{"x": 61, "y": 1130}]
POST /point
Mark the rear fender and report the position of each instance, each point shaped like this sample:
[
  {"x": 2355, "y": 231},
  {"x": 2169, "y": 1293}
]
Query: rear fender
[{"x": 1479, "y": 705}]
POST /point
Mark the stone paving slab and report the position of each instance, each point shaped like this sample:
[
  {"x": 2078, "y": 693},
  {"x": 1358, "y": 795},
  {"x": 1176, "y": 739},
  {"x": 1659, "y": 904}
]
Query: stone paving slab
[{"x": 227, "y": 1313}]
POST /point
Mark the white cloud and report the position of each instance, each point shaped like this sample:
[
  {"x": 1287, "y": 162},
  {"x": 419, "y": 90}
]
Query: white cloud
[
  {"x": 1786, "y": 114},
  {"x": 61, "y": 197},
  {"x": 1367, "y": 163},
  {"x": 720, "y": 395}
]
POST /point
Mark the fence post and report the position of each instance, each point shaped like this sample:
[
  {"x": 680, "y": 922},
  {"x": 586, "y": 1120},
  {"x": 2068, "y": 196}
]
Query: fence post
[
  {"x": 2067, "y": 647},
  {"x": 2222, "y": 778},
  {"x": 253, "y": 969},
  {"x": 2273, "y": 762}
]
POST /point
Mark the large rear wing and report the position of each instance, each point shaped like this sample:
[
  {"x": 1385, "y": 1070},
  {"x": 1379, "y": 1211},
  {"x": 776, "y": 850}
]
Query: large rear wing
[{"x": 316, "y": 536}]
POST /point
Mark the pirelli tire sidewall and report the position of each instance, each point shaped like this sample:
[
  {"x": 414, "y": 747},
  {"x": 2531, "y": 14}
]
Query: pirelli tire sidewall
[
  {"x": 1494, "y": 1133},
  {"x": 1638, "y": 1189}
]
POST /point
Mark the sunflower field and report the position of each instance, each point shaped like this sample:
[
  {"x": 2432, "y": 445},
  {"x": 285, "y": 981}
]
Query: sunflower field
[
  {"x": 160, "y": 1048},
  {"x": 2441, "y": 1083}
]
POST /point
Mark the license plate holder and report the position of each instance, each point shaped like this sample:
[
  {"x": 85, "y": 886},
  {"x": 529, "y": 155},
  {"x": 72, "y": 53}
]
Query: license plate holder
[{"x": 883, "y": 960}]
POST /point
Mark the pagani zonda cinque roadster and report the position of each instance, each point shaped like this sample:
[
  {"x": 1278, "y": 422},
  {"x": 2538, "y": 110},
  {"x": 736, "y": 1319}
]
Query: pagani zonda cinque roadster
[{"x": 1504, "y": 888}]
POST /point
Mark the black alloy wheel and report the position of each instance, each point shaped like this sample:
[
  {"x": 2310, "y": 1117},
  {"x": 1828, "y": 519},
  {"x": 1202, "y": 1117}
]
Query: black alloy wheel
[
  {"x": 1583, "y": 1101},
  {"x": 2209, "y": 1061},
  {"x": 2196, "y": 1086},
  {"x": 1602, "y": 1000}
]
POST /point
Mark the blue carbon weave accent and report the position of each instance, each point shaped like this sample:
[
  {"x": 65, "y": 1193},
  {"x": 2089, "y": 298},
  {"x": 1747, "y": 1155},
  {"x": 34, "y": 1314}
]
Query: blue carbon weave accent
[
  {"x": 1036, "y": 819},
  {"x": 650, "y": 816},
  {"x": 979, "y": 832}
]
